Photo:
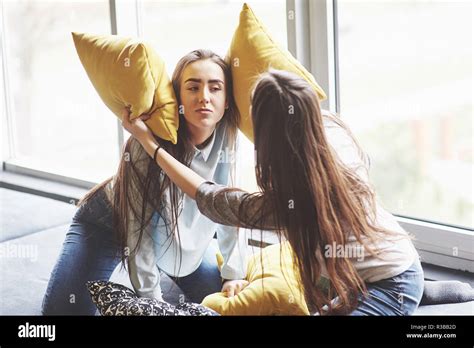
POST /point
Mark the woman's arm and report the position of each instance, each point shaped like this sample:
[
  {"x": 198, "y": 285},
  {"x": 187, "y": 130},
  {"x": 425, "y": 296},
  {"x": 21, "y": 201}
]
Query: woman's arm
[
  {"x": 186, "y": 179},
  {"x": 215, "y": 201}
]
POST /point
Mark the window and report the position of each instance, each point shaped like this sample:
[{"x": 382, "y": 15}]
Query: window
[
  {"x": 58, "y": 122},
  {"x": 178, "y": 27},
  {"x": 406, "y": 92}
]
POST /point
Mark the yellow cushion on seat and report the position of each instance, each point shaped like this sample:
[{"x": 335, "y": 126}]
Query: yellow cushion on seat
[
  {"x": 252, "y": 52},
  {"x": 127, "y": 72},
  {"x": 274, "y": 290}
]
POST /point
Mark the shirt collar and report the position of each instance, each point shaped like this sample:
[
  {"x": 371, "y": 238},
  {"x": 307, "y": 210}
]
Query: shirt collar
[{"x": 206, "y": 150}]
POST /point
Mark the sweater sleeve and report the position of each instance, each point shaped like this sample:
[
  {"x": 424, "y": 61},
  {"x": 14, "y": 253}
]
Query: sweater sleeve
[{"x": 234, "y": 207}]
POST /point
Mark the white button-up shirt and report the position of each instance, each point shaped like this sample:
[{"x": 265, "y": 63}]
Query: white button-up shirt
[{"x": 161, "y": 251}]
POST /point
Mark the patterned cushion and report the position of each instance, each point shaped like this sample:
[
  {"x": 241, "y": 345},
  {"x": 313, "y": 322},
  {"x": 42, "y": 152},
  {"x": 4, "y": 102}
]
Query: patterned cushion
[{"x": 116, "y": 299}]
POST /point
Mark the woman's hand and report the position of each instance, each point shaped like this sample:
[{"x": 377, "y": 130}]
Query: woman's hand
[
  {"x": 185, "y": 178},
  {"x": 137, "y": 127},
  {"x": 233, "y": 287}
]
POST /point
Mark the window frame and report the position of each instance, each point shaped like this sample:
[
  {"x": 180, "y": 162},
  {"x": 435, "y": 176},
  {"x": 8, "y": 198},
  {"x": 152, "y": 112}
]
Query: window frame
[{"x": 5, "y": 153}]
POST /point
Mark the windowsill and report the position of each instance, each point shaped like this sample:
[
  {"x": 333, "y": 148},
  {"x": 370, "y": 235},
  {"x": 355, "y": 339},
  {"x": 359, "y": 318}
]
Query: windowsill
[
  {"x": 440, "y": 245},
  {"x": 41, "y": 187},
  {"x": 433, "y": 272}
]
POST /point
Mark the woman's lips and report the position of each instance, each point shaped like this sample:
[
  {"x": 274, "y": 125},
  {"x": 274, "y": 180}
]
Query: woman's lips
[{"x": 204, "y": 111}]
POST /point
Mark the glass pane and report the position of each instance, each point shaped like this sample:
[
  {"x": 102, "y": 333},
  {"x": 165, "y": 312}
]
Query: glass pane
[
  {"x": 406, "y": 92},
  {"x": 178, "y": 27},
  {"x": 60, "y": 123}
]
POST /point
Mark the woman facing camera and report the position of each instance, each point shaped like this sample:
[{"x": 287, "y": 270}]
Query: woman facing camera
[
  {"x": 315, "y": 193},
  {"x": 141, "y": 218}
]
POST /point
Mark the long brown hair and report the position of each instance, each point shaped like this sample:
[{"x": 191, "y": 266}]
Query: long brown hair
[
  {"x": 139, "y": 194},
  {"x": 313, "y": 196}
]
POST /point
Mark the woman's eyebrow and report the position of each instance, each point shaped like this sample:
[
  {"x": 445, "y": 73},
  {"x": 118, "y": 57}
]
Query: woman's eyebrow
[
  {"x": 199, "y": 80},
  {"x": 216, "y": 81}
]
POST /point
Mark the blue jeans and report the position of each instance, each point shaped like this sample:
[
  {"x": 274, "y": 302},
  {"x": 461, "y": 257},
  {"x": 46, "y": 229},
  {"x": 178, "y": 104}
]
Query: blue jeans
[
  {"x": 91, "y": 252},
  {"x": 399, "y": 295}
]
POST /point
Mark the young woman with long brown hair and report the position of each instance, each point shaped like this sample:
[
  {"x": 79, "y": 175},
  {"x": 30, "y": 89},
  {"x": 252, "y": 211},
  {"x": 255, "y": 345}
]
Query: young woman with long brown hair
[
  {"x": 141, "y": 218},
  {"x": 316, "y": 194}
]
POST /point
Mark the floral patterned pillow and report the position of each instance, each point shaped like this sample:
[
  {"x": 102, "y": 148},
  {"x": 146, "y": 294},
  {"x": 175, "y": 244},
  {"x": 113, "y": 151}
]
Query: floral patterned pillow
[{"x": 115, "y": 299}]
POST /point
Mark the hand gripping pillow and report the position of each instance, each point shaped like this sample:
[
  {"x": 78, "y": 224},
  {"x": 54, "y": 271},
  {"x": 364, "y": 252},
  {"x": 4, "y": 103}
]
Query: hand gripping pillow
[
  {"x": 274, "y": 290},
  {"x": 126, "y": 72},
  {"x": 252, "y": 52}
]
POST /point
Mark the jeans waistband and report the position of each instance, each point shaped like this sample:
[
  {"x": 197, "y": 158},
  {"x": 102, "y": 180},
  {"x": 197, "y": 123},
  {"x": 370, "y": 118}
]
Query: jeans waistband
[{"x": 97, "y": 210}]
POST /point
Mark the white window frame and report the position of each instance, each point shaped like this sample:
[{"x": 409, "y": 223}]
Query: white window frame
[{"x": 6, "y": 119}]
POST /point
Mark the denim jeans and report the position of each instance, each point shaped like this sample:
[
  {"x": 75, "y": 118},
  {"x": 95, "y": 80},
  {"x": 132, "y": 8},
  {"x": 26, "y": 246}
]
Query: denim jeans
[
  {"x": 396, "y": 296},
  {"x": 91, "y": 252}
]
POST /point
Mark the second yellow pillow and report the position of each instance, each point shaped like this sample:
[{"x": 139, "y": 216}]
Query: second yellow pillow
[
  {"x": 252, "y": 52},
  {"x": 273, "y": 289}
]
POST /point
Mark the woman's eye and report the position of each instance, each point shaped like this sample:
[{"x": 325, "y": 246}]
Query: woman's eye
[
  {"x": 192, "y": 89},
  {"x": 216, "y": 89}
]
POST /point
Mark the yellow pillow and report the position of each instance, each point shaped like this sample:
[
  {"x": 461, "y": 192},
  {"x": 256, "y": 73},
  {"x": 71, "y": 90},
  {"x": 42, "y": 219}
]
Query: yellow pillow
[
  {"x": 252, "y": 52},
  {"x": 126, "y": 72},
  {"x": 280, "y": 293}
]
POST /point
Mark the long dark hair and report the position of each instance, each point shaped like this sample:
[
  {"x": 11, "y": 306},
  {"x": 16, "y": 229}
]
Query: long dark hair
[
  {"x": 313, "y": 196},
  {"x": 149, "y": 187}
]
